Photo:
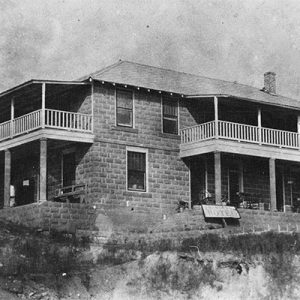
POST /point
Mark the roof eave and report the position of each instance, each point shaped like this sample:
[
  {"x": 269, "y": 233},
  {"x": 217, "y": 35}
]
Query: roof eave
[
  {"x": 242, "y": 98},
  {"x": 41, "y": 81},
  {"x": 137, "y": 87}
]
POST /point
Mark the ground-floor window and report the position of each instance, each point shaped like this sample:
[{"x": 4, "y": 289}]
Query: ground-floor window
[{"x": 136, "y": 170}]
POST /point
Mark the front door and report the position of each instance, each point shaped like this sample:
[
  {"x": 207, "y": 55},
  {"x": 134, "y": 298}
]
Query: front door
[
  {"x": 197, "y": 169},
  {"x": 24, "y": 191},
  {"x": 279, "y": 189},
  {"x": 234, "y": 187},
  {"x": 68, "y": 169}
]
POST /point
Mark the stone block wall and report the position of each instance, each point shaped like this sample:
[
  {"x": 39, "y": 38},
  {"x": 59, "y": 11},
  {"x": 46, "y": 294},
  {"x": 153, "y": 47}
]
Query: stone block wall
[
  {"x": 52, "y": 215},
  {"x": 103, "y": 164}
]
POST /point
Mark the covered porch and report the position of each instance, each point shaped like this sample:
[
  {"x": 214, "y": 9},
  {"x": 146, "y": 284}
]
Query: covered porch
[
  {"x": 37, "y": 108},
  {"x": 236, "y": 123},
  {"x": 245, "y": 181},
  {"x": 40, "y": 122},
  {"x": 36, "y": 171}
]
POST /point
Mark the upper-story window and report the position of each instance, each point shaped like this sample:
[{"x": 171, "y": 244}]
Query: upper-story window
[
  {"x": 124, "y": 108},
  {"x": 170, "y": 115}
]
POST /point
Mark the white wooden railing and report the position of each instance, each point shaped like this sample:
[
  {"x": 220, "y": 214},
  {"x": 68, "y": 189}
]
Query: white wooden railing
[
  {"x": 26, "y": 123},
  {"x": 236, "y": 131},
  {"x": 5, "y": 130},
  {"x": 240, "y": 132},
  {"x": 68, "y": 120},
  {"x": 199, "y": 132},
  {"x": 52, "y": 119}
]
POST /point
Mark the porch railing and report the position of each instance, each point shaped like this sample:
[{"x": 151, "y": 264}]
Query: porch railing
[
  {"x": 240, "y": 132},
  {"x": 52, "y": 119},
  {"x": 68, "y": 120}
]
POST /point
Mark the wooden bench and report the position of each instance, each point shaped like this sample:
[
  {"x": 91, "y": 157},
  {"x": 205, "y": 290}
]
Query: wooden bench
[{"x": 72, "y": 194}]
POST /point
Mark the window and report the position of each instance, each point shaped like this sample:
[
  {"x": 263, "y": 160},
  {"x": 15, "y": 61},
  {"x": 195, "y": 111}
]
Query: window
[
  {"x": 170, "y": 116},
  {"x": 136, "y": 171},
  {"x": 124, "y": 108}
]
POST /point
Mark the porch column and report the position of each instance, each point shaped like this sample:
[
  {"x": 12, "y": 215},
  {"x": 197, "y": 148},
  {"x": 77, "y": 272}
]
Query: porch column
[
  {"x": 259, "y": 125},
  {"x": 43, "y": 169},
  {"x": 43, "y": 105},
  {"x": 272, "y": 175},
  {"x": 7, "y": 175},
  {"x": 298, "y": 130},
  {"x": 12, "y": 116},
  {"x": 218, "y": 195},
  {"x": 216, "y": 108}
]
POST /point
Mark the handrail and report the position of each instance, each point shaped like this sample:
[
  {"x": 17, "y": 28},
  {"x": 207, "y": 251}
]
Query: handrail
[
  {"x": 58, "y": 119},
  {"x": 199, "y": 132},
  {"x": 240, "y": 132},
  {"x": 5, "y": 130},
  {"x": 68, "y": 120}
]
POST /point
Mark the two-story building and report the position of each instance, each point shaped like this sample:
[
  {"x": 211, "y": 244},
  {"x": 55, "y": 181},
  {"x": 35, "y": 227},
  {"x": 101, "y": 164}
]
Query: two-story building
[{"x": 144, "y": 137}]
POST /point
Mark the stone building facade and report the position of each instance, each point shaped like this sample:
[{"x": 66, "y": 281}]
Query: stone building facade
[{"x": 145, "y": 138}]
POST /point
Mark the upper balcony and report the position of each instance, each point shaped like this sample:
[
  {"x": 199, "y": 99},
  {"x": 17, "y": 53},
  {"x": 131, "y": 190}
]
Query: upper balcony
[
  {"x": 54, "y": 110},
  {"x": 246, "y": 139}
]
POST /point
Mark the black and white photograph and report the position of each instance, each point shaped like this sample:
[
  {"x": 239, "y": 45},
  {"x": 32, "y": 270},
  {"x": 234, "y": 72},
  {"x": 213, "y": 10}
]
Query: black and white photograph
[{"x": 150, "y": 150}]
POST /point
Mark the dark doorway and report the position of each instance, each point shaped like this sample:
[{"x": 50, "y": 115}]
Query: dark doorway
[
  {"x": 24, "y": 190},
  {"x": 279, "y": 189},
  {"x": 69, "y": 169},
  {"x": 197, "y": 168},
  {"x": 234, "y": 186},
  {"x": 24, "y": 180}
]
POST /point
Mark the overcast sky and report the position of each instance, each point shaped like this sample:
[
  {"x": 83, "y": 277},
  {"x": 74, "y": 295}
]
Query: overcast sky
[{"x": 231, "y": 40}]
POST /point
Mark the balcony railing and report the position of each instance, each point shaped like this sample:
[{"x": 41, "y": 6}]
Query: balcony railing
[
  {"x": 52, "y": 119},
  {"x": 240, "y": 132}
]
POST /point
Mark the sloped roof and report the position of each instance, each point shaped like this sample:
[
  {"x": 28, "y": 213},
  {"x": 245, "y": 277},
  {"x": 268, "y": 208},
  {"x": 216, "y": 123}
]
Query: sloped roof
[{"x": 144, "y": 76}]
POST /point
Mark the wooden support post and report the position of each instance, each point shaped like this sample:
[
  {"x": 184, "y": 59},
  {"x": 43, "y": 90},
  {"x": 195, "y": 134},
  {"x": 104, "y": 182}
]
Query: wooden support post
[
  {"x": 272, "y": 175},
  {"x": 216, "y": 108},
  {"x": 12, "y": 116},
  {"x": 43, "y": 105},
  {"x": 218, "y": 191},
  {"x": 190, "y": 185},
  {"x": 298, "y": 130},
  {"x": 259, "y": 125},
  {"x": 7, "y": 176},
  {"x": 92, "y": 105},
  {"x": 43, "y": 169}
]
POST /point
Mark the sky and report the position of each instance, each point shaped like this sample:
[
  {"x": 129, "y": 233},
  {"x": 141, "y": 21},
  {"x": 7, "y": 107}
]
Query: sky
[{"x": 226, "y": 39}]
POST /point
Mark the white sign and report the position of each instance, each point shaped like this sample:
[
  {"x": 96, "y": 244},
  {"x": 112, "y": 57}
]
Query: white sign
[{"x": 219, "y": 211}]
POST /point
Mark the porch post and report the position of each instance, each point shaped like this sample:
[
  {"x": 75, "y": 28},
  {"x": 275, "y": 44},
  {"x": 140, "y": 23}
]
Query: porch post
[
  {"x": 12, "y": 116},
  {"x": 298, "y": 130},
  {"x": 92, "y": 100},
  {"x": 43, "y": 169},
  {"x": 43, "y": 105},
  {"x": 259, "y": 125},
  {"x": 216, "y": 108},
  {"x": 7, "y": 176},
  {"x": 272, "y": 175},
  {"x": 218, "y": 191}
]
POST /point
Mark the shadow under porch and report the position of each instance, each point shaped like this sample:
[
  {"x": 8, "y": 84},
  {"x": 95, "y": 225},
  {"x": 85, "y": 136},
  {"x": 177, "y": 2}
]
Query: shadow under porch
[
  {"x": 35, "y": 171},
  {"x": 245, "y": 180}
]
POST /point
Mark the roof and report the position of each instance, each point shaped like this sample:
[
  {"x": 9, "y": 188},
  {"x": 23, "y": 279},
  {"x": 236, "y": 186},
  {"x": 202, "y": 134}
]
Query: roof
[
  {"x": 189, "y": 85},
  {"x": 39, "y": 81}
]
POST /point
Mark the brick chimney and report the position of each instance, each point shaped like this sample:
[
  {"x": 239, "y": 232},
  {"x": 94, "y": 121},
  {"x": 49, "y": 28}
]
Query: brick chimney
[{"x": 270, "y": 82}]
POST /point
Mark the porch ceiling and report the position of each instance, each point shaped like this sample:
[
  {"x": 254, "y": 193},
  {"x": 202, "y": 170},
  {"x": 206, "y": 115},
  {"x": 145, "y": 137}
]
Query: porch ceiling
[
  {"x": 48, "y": 133},
  {"x": 235, "y": 147}
]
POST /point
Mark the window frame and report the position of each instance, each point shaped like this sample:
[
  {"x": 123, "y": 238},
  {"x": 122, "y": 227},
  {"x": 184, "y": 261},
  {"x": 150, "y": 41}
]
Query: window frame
[
  {"x": 137, "y": 150},
  {"x": 132, "y": 110},
  {"x": 162, "y": 114}
]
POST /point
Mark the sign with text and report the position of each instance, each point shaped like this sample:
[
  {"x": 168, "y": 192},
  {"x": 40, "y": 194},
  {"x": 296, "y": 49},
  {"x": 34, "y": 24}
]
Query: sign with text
[{"x": 219, "y": 211}]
